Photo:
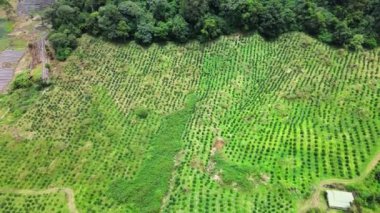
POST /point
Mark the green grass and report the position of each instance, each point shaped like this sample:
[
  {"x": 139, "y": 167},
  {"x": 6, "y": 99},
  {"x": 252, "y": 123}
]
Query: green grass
[
  {"x": 368, "y": 192},
  {"x": 33, "y": 203},
  {"x": 149, "y": 186},
  {"x": 7, "y": 42},
  {"x": 243, "y": 176},
  {"x": 115, "y": 126},
  {"x": 5, "y": 28}
]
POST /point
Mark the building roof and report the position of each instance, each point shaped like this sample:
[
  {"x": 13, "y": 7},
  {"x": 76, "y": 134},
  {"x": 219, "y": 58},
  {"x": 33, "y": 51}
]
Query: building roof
[{"x": 339, "y": 199}]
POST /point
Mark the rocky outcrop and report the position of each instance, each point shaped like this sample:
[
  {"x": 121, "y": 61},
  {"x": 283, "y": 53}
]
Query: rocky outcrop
[{"x": 26, "y": 7}]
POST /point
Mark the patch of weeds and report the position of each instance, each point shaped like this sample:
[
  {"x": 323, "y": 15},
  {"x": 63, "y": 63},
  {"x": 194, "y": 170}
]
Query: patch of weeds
[
  {"x": 151, "y": 183},
  {"x": 234, "y": 174},
  {"x": 22, "y": 81},
  {"x": 142, "y": 113}
]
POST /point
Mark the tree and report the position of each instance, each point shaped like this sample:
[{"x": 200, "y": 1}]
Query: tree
[
  {"x": 312, "y": 18},
  {"x": 356, "y": 42},
  {"x": 130, "y": 9},
  {"x": 65, "y": 14},
  {"x": 342, "y": 34},
  {"x": 63, "y": 44},
  {"x": 161, "y": 9},
  {"x": 145, "y": 31},
  {"x": 370, "y": 42},
  {"x": 93, "y": 5},
  {"x": 122, "y": 30},
  {"x": 180, "y": 30},
  {"x": 108, "y": 21},
  {"x": 272, "y": 20},
  {"x": 211, "y": 27},
  {"x": 334, "y": 22},
  {"x": 92, "y": 24},
  {"x": 162, "y": 30},
  {"x": 194, "y": 10}
]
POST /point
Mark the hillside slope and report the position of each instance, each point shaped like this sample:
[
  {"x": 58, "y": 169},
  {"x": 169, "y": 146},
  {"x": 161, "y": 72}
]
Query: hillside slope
[{"x": 245, "y": 124}]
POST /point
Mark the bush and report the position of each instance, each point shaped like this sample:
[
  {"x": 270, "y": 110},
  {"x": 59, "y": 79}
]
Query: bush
[
  {"x": 314, "y": 210},
  {"x": 357, "y": 41},
  {"x": 63, "y": 53},
  {"x": 22, "y": 80},
  {"x": 370, "y": 43},
  {"x": 142, "y": 113},
  {"x": 63, "y": 44}
]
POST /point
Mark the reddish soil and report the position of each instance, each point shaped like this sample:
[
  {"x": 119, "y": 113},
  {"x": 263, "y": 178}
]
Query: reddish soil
[{"x": 219, "y": 143}]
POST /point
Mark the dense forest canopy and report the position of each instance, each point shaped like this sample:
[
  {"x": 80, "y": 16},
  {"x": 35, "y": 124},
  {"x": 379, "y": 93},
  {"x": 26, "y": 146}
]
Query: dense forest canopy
[{"x": 350, "y": 23}]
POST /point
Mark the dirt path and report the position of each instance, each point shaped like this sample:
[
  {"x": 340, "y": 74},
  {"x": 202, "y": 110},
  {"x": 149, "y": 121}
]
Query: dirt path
[
  {"x": 68, "y": 192},
  {"x": 314, "y": 200}
]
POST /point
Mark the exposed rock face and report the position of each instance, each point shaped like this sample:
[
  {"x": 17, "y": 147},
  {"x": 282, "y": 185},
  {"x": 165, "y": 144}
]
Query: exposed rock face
[{"x": 26, "y": 7}]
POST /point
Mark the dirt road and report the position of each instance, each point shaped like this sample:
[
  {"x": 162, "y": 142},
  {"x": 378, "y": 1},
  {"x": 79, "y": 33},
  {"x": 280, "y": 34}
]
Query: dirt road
[
  {"x": 314, "y": 200},
  {"x": 68, "y": 192}
]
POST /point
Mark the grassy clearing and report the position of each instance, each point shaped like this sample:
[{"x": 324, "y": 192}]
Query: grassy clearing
[
  {"x": 288, "y": 111},
  {"x": 149, "y": 186},
  {"x": 5, "y": 28},
  {"x": 7, "y": 42}
]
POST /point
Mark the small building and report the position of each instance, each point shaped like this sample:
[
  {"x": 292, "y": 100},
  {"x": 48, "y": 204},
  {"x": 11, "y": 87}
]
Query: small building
[{"x": 339, "y": 199}]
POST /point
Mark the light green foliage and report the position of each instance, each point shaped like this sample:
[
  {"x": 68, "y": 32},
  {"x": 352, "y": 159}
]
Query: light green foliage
[
  {"x": 368, "y": 191},
  {"x": 151, "y": 183},
  {"x": 291, "y": 112},
  {"x": 8, "y": 42},
  {"x": 10, "y": 202},
  {"x": 5, "y": 28},
  {"x": 22, "y": 80}
]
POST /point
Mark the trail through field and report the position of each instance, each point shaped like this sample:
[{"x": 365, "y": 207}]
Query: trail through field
[
  {"x": 68, "y": 192},
  {"x": 314, "y": 200}
]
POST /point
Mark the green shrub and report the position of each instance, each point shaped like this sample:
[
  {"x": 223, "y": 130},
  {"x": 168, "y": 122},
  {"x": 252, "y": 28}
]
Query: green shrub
[
  {"x": 22, "y": 80},
  {"x": 142, "y": 113},
  {"x": 314, "y": 210},
  {"x": 370, "y": 43}
]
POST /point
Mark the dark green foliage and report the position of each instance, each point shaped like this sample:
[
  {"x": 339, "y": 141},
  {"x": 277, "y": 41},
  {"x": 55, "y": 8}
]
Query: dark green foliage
[
  {"x": 368, "y": 192},
  {"x": 273, "y": 20},
  {"x": 25, "y": 81},
  {"x": 314, "y": 210},
  {"x": 142, "y": 113},
  {"x": 353, "y": 24},
  {"x": 63, "y": 44},
  {"x": 180, "y": 30},
  {"x": 109, "y": 22},
  {"x": 212, "y": 27},
  {"x": 3, "y": 2},
  {"x": 145, "y": 31}
]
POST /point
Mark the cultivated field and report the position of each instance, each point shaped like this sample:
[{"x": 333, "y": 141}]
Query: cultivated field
[{"x": 237, "y": 125}]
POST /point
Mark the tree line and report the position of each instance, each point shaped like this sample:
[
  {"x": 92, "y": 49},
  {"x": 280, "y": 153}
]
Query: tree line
[{"x": 354, "y": 24}]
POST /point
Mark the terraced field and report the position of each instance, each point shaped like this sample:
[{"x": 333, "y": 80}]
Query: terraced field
[{"x": 238, "y": 125}]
